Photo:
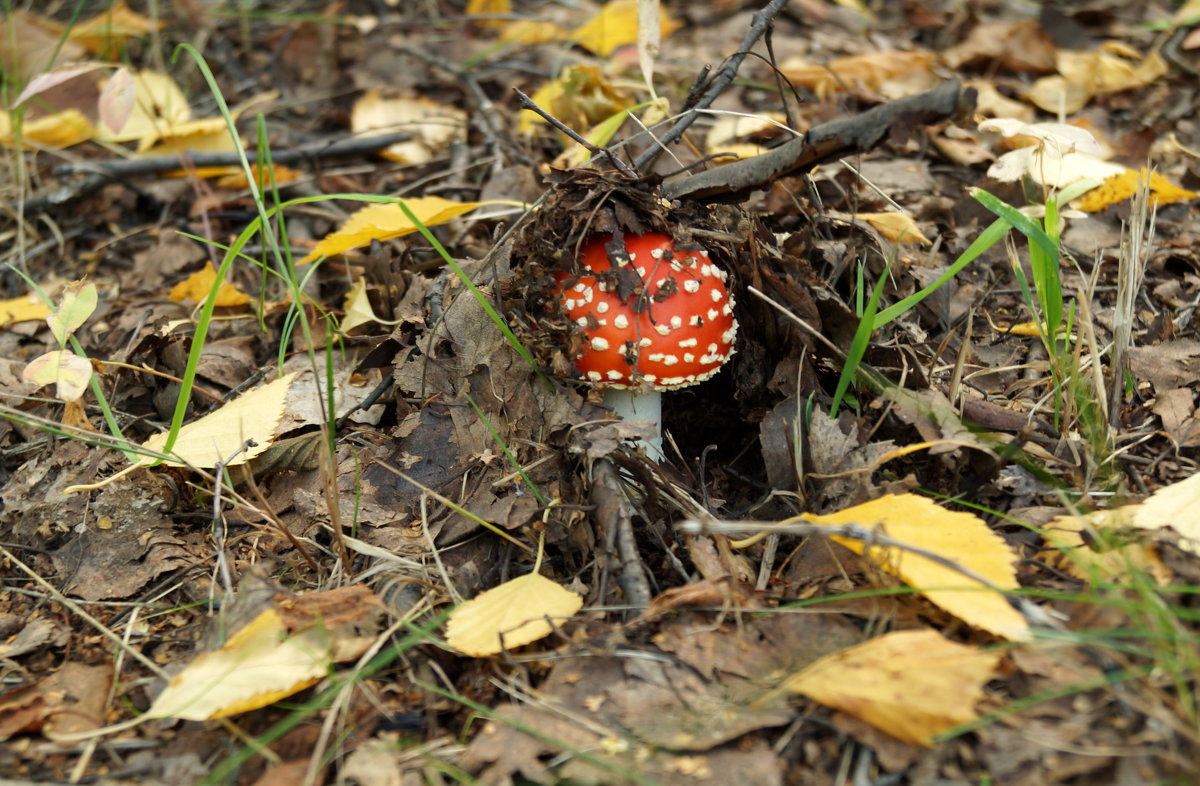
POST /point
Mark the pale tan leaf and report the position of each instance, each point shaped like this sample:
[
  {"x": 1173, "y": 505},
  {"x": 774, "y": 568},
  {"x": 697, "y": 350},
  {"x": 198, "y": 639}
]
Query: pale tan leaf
[
  {"x": 649, "y": 39},
  {"x": 44, "y": 81},
  {"x": 912, "y": 684},
  {"x": 515, "y": 613},
  {"x": 116, "y": 100},
  {"x": 962, "y": 537},
  {"x": 68, "y": 372},
  {"x": 76, "y": 305},
  {"x": 218, "y": 437},
  {"x": 1176, "y": 506},
  {"x": 386, "y": 221},
  {"x": 434, "y": 125}
]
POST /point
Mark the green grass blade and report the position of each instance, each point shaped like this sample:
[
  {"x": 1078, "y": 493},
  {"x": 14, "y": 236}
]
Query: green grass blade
[{"x": 988, "y": 238}]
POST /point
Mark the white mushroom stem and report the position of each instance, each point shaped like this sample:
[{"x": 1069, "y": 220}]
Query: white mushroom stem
[{"x": 639, "y": 405}]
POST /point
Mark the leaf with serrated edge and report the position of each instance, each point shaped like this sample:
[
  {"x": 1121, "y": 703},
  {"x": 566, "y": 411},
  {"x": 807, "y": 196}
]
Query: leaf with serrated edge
[
  {"x": 962, "y": 537},
  {"x": 219, "y": 435},
  {"x": 512, "y": 614}
]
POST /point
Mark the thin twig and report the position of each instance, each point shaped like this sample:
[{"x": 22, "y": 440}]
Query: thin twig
[{"x": 721, "y": 80}]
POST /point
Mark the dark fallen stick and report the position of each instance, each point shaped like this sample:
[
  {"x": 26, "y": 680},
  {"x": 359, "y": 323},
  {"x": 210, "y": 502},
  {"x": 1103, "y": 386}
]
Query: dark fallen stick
[
  {"x": 733, "y": 182},
  {"x": 721, "y": 80},
  {"x": 98, "y": 173},
  {"x": 135, "y": 167}
]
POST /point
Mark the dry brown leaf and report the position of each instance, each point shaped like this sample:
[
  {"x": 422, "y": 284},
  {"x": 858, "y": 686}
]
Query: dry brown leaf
[
  {"x": 891, "y": 74},
  {"x": 912, "y": 684}
]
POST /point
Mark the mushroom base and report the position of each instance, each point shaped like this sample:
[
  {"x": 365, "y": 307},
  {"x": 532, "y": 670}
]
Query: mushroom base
[{"x": 638, "y": 405}]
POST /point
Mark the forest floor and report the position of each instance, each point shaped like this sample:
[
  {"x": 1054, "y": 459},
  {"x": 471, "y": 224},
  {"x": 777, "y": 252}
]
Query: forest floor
[{"x": 935, "y": 521}]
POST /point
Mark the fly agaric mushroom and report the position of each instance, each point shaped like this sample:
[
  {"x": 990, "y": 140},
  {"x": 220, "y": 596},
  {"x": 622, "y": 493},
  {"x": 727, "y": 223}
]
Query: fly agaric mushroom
[{"x": 652, "y": 317}]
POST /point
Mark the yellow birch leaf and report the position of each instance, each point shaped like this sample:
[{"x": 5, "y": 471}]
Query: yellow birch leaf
[
  {"x": 510, "y": 615},
  {"x": 911, "y": 684},
  {"x": 27, "y": 308},
  {"x": 109, "y": 29},
  {"x": 57, "y": 131},
  {"x": 358, "y": 308},
  {"x": 532, "y": 31},
  {"x": 386, "y": 221},
  {"x": 961, "y": 537},
  {"x": 895, "y": 227},
  {"x": 1124, "y": 185},
  {"x": 489, "y": 8},
  {"x": 218, "y": 436},
  {"x": 615, "y": 26},
  {"x": 198, "y": 285},
  {"x": 68, "y": 372},
  {"x": 158, "y": 106},
  {"x": 265, "y": 176},
  {"x": 259, "y": 665}
]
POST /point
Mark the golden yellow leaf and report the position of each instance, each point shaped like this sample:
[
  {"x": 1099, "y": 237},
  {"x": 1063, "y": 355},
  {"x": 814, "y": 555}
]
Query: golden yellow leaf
[
  {"x": 205, "y": 135},
  {"x": 489, "y": 8},
  {"x": 358, "y": 308},
  {"x": 1074, "y": 553},
  {"x": 895, "y": 227},
  {"x": 386, "y": 221},
  {"x": 106, "y": 32},
  {"x": 159, "y": 105},
  {"x": 219, "y": 436},
  {"x": 579, "y": 97},
  {"x": 961, "y": 537},
  {"x": 510, "y": 615},
  {"x": 532, "y": 31},
  {"x": 68, "y": 372},
  {"x": 912, "y": 684},
  {"x": 27, "y": 308},
  {"x": 615, "y": 26},
  {"x": 277, "y": 174},
  {"x": 197, "y": 286},
  {"x": 1123, "y": 186},
  {"x": 259, "y": 665},
  {"x": 433, "y": 125},
  {"x": 57, "y": 131}
]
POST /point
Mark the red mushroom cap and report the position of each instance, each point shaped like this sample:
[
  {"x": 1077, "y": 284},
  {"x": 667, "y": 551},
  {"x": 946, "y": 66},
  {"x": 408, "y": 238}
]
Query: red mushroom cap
[{"x": 660, "y": 317}]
